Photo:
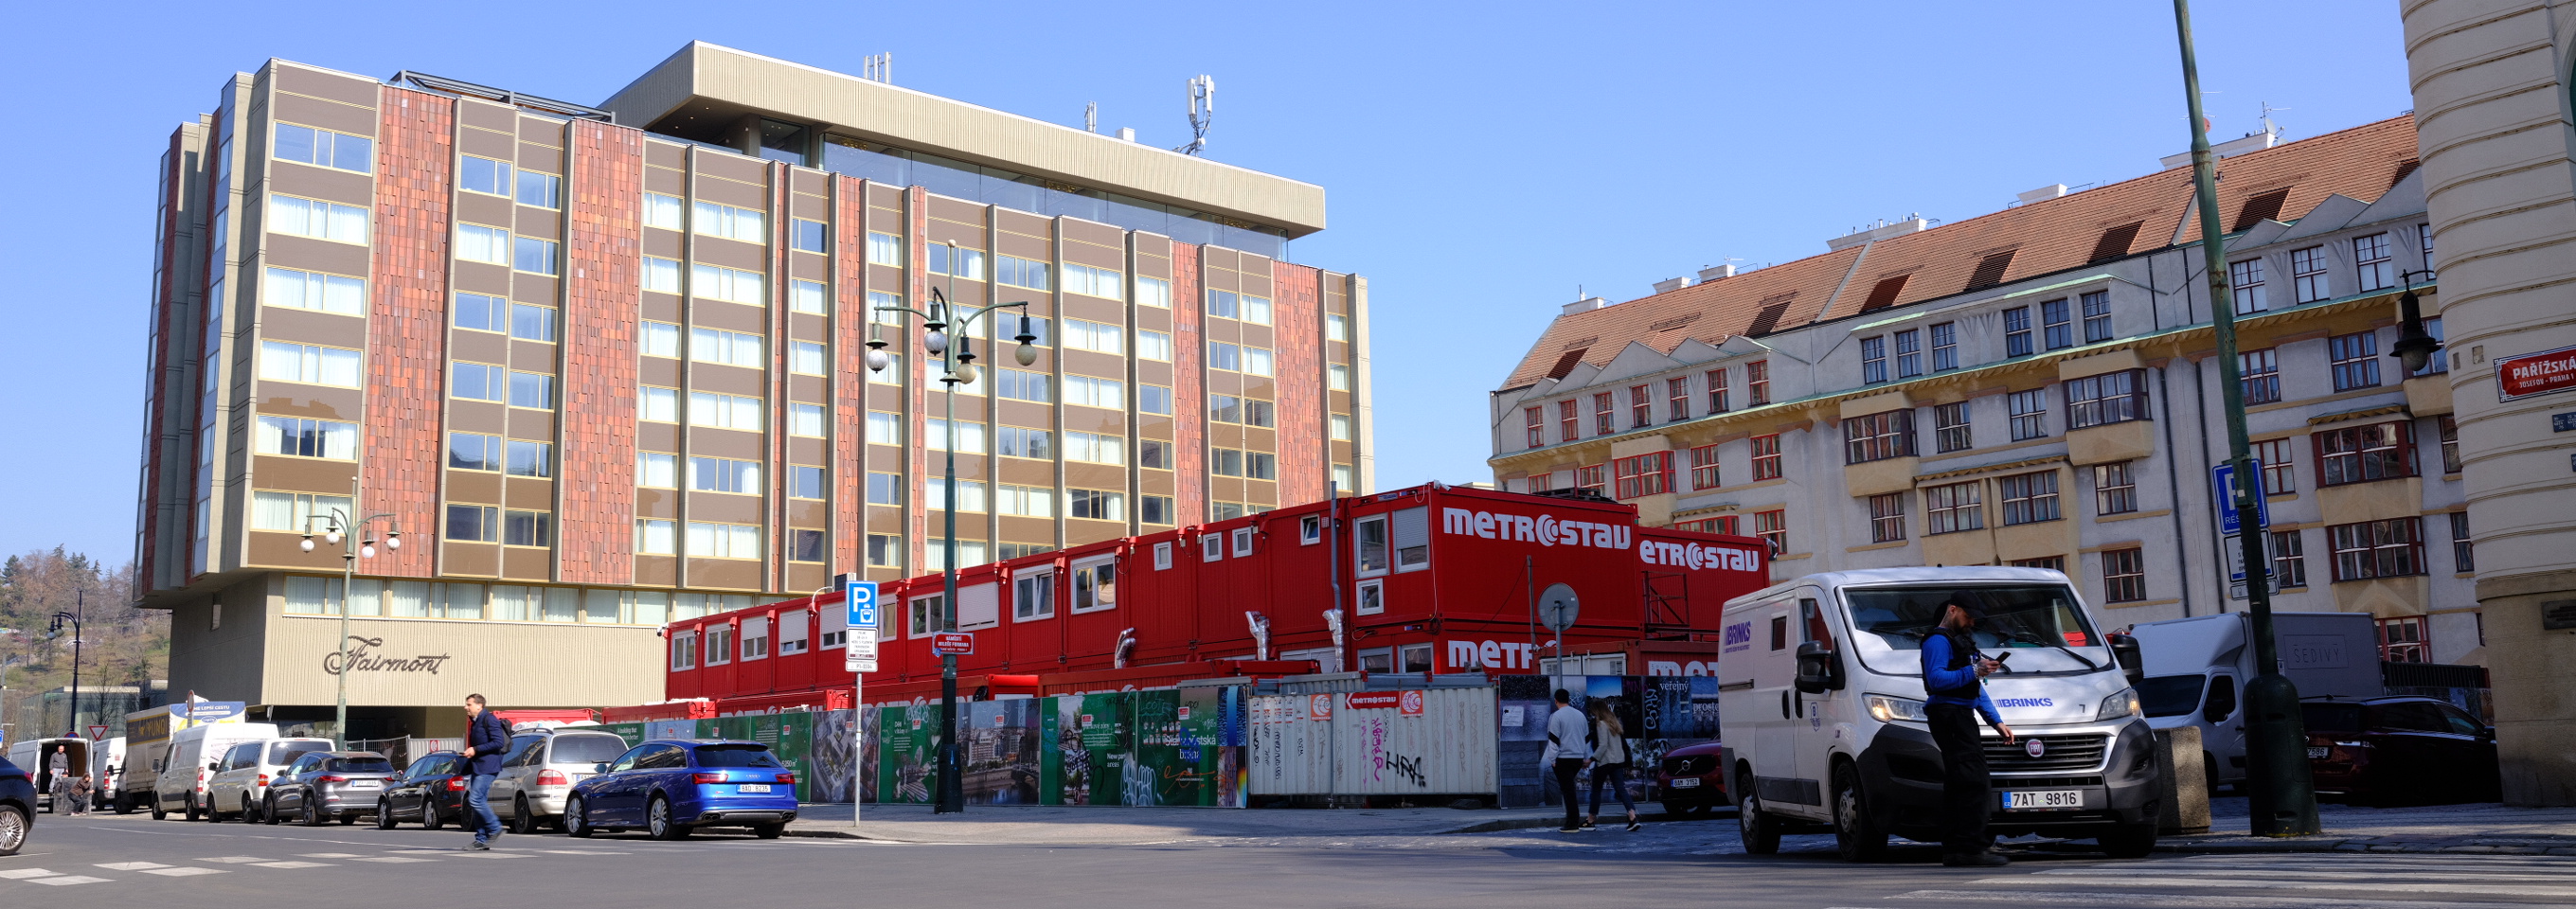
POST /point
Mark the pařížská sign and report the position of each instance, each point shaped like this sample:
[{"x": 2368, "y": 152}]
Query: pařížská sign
[
  {"x": 2535, "y": 373},
  {"x": 362, "y": 657}
]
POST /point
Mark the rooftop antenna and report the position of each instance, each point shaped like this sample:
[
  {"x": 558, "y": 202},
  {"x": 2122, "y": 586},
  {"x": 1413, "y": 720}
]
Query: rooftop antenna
[
  {"x": 1202, "y": 92},
  {"x": 878, "y": 68},
  {"x": 1091, "y": 117},
  {"x": 2269, "y": 127}
]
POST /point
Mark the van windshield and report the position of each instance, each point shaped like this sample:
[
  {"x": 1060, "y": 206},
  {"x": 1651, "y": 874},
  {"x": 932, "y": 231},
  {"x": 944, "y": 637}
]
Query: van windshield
[
  {"x": 2170, "y": 695},
  {"x": 2028, "y": 621}
]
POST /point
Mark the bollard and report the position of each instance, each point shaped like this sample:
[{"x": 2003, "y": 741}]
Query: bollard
[{"x": 2182, "y": 801}]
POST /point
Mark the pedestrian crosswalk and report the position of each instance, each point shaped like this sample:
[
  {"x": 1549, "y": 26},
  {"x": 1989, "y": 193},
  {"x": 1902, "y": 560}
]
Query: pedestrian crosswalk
[
  {"x": 69, "y": 876},
  {"x": 2309, "y": 881}
]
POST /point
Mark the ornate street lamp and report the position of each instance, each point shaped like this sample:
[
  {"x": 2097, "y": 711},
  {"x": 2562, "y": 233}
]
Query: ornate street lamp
[
  {"x": 337, "y": 528},
  {"x": 2415, "y": 346}
]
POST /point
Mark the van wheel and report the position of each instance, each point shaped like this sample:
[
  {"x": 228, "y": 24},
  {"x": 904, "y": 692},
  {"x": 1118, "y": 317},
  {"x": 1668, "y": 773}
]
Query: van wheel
[
  {"x": 576, "y": 819},
  {"x": 193, "y": 813},
  {"x": 160, "y": 812},
  {"x": 2133, "y": 841},
  {"x": 1856, "y": 835},
  {"x": 1760, "y": 832}
]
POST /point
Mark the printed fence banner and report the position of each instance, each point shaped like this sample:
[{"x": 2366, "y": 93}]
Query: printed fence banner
[
  {"x": 908, "y": 758},
  {"x": 1000, "y": 765},
  {"x": 832, "y": 755}
]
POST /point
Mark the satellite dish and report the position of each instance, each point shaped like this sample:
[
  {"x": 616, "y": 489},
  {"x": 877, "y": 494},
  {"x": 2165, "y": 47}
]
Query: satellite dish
[{"x": 1557, "y": 607}]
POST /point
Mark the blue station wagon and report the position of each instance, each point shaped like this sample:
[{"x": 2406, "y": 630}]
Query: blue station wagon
[{"x": 670, "y": 787}]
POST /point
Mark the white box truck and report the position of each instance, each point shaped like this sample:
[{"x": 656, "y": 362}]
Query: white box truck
[
  {"x": 1821, "y": 707},
  {"x": 2197, "y": 669}
]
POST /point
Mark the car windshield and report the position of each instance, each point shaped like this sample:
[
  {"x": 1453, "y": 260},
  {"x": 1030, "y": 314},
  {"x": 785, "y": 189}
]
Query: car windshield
[
  {"x": 2020, "y": 619},
  {"x": 586, "y": 749},
  {"x": 2331, "y": 717},
  {"x": 2170, "y": 695},
  {"x": 286, "y": 752},
  {"x": 736, "y": 756}
]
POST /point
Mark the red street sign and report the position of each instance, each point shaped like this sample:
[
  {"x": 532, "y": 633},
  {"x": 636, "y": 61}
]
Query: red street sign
[
  {"x": 2535, "y": 373},
  {"x": 1374, "y": 700},
  {"x": 953, "y": 643},
  {"x": 97, "y": 733}
]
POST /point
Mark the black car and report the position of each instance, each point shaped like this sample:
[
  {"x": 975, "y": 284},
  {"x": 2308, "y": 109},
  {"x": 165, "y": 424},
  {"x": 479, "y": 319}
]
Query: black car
[
  {"x": 431, "y": 791},
  {"x": 326, "y": 785},
  {"x": 17, "y": 807},
  {"x": 2391, "y": 750}
]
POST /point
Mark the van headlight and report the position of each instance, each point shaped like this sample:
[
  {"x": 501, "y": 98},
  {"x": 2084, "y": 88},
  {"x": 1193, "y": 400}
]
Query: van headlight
[
  {"x": 1890, "y": 710},
  {"x": 2119, "y": 705}
]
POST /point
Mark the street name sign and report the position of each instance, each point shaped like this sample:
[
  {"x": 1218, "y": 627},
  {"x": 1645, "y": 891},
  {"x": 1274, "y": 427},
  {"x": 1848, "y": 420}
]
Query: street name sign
[{"x": 953, "y": 643}]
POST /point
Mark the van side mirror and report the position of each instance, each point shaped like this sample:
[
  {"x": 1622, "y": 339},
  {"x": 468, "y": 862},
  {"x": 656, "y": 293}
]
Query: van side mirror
[
  {"x": 2124, "y": 650},
  {"x": 1818, "y": 668}
]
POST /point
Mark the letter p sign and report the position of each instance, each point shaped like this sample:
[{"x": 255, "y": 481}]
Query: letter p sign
[{"x": 861, "y": 599}]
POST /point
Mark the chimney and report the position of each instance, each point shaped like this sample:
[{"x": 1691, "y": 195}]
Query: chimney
[
  {"x": 1911, "y": 224},
  {"x": 1669, "y": 285},
  {"x": 1715, "y": 272},
  {"x": 1585, "y": 305},
  {"x": 2043, "y": 193}
]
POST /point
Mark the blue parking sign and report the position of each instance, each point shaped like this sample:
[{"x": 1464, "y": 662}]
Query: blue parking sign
[{"x": 861, "y": 598}]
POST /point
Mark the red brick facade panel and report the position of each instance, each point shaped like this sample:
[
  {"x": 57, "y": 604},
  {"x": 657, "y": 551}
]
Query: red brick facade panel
[
  {"x": 1189, "y": 389},
  {"x": 916, "y": 242},
  {"x": 407, "y": 326},
  {"x": 850, "y": 373},
  {"x": 603, "y": 249},
  {"x": 1299, "y": 316}
]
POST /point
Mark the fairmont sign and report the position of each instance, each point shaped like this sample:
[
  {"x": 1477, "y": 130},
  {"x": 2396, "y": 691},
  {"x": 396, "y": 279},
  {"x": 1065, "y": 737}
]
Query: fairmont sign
[
  {"x": 2535, "y": 373},
  {"x": 362, "y": 657}
]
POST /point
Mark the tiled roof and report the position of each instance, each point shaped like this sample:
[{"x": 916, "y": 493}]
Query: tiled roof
[{"x": 2043, "y": 237}]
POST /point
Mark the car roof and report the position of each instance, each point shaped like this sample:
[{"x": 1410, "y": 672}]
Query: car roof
[
  {"x": 2386, "y": 699},
  {"x": 692, "y": 743}
]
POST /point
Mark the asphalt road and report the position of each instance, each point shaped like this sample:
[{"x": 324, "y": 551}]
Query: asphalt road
[{"x": 133, "y": 860}]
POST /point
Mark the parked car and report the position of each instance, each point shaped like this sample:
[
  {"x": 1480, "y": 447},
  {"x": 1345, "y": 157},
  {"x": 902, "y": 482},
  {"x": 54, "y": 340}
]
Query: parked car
[
  {"x": 2400, "y": 749},
  {"x": 327, "y": 784},
  {"x": 240, "y": 784},
  {"x": 431, "y": 791},
  {"x": 1691, "y": 779},
  {"x": 17, "y": 807},
  {"x": 542, "y": 767},
  {"x": 195, "y": 755},
  {"x": 670, "y": 787}
]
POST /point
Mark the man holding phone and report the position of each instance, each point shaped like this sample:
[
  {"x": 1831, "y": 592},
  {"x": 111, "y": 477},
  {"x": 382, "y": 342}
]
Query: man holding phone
[{"x": 1954, "y": 678}]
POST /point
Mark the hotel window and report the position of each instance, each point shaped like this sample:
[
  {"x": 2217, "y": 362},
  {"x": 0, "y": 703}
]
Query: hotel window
[
  {"x": 893, "y": 373},
  {"x": 662, "y": 275},
  {"x": 1945, "y": 346},
  {"x": 2360, "y": 454},
  {"x": 808, "y": 297},
  {"x": 1536, "y": 429},
  {"x": 657, "y": 470},
  {"x": 1095, "y": 504},
  {"x": 1021, "y": 385},
  {"x": 2056, "y": 324},
  {"x": 1107, "y": 394},
  {"x": 1954, "y": 507},
  {"x": 1337, "y": 327},
  {"x": 1643, "y": 475},
  {"x": 473, "y": 524},
  {"x": 662, "y": 211},
  {"x": 805, "y": 358},
  {"x": 1094, "y": 282},
  {"x": 2289, "y": 560},
  {"x": 1223, "y": 356},
  {"x": 1154, "y": 453},
  {"x": 1704, "y": 473},
  {"x": 1601, "y": 415},
  {"x": 970, "y": 494},
  {"x": 2371, "y": 263},
  {"x": 1757, "y": 383},
  {"x": 1950, "y": 431},
  {"x": 1338, "y": 427},
  {"x": 734, "y": 285},
  {"x": 804, "y": 482},
  {"x": 1224, "y": 303},
  {"x": 657, "y": 405},
  {"x": 1887, "y": 517},
  {"x": 2259, "y": 373},
  {"x": 2124, "y": 575},
  {"x": 724, "y": 411},
  {"x": 1873, "y": 360},
  {"x": 1155, "y": 510},
  {"x": 805, "y": 420},
  {"x": 527, "y": 528},
  {"x": 1025, "y": 501},
  {"x": 530, "y": 322},
  {"x": 1878, "y": 436},
  {"x": 2450, "y": 436},
  {"x": 958, "y": 261},
  {"x": 2097, "y": 316},
  {"x": 535, "y": 391},
  {"x": 1225, "y": 409},
  {"x": 2112, "y": 397},
  {"x": 315, "y": 291},
  {"x": 1594, "y": 477},
  {"x": 481, "y": 312},
  {"x": 1641, "y": 407},
  {"x": 324, "y": 148},
  {"x": 885, "y": 249},
  {"x": 1716, "y": 394},
  {"x": 1153, "y": 345},
  {"x": 2115, "y": 488},
  {"x": 656, "y": 538},
  {"x": 475, "y": 451},
  {"x": 1154, "y": 292},
  {"x": 1028, "y": 273},
  {"x": 318, "y": 219},
  {"x": 1225, "y": 462},
  {"x": 2029, "y": 498},
  {"x": 2029, "y": 413},
  {"x": 1156, "y": 399},
  {"x": 297, "y": 512},
  {"x": 724, "y": 475},
  {"x": 1094, "y": 448},
  {"x": 2280, "y": 471},
  {"x": 2308, "y": 274},
  {"x": 885, "y": 489},
  {"x": 1093, "y": 336},
  {"x": 320, "y": 438},
  {"x": 2377, "y": 549},
  {"x": 1773, "y": 528},
  {"x": 1256, "y": 310},
  {"x": 723, "y": 541},
  {"x": 541, "y": 190},
  {"x": 2355, "y": 360},
  {"x": 1257, "y": 412},
  {"x": 2463, "y": 559},
  {"x": 884, "y": 428},
  {"x": 476, "y": 174},
  {"x": 1256, "y": 361},
  {"x": 2245, "y": 284},
  {"x": 530, "y": 459},
  {"x": 310, "y": 364},
  {"x": 744, "y": 224},
  {"x": 1023, "y": 442},
  {"x": 969, "y": 435},
  {"x": 2017, "y": 332},
  {"x": 1909, "y": 354},
  {"x": 1337, "y": 377},
  {"x": 809, "y": 236},
  {"x": 477, "y": 243},
  {"x": 1766, "y": 456}
]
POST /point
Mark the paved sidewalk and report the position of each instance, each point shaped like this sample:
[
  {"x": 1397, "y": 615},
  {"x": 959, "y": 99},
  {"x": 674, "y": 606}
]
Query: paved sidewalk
[
  {"x": 1119, "y": 825},
  {"x": 2476, "y": 828}
]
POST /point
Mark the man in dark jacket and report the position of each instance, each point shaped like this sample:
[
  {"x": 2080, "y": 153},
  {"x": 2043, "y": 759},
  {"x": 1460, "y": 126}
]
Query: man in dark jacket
[
  {"x": 1954, "y": 675},
  {"x": 486, "y": 737}
]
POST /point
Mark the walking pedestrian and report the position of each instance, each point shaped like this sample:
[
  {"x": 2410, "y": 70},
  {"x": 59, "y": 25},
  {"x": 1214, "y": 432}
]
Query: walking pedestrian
[
  {"x": 486, "y": 737},
  {"x": 1954, "y": 676},
  {"x": 1568, "y": 738},
  {"x": 1610, "y": 764}
]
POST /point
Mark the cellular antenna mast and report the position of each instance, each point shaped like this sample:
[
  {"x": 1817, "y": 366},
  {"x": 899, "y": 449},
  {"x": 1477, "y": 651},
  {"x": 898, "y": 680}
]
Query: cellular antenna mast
[
  {"x": 1202, "y": 113},
  {"x": 1091, "y": 117},
  {"x": 878, "y": 67}
]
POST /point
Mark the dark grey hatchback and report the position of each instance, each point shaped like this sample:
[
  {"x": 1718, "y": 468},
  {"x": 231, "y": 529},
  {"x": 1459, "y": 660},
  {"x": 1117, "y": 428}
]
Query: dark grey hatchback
[
  {"x": 327, "y": 785},
  {"x": 17, "y": 807}
]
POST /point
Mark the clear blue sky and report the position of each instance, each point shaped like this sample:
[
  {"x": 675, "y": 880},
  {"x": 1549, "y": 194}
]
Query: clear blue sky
[{"x": 1481, "y": 160}]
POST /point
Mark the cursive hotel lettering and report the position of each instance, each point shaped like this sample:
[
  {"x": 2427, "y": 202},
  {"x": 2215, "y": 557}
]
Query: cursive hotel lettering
[{"x": 362, "y": 658}]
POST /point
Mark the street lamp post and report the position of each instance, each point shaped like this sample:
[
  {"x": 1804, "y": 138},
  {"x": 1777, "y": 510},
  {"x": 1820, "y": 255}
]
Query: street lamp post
[
  {"x": 338, "y": 528},
  {"x": 957, "y": 366},
  {"x": 80, "y": 602},
  {"x": 2283, "y": 793}
]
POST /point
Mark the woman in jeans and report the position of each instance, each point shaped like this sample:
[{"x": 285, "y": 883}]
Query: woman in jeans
[{"x": 1609, "y": 763}]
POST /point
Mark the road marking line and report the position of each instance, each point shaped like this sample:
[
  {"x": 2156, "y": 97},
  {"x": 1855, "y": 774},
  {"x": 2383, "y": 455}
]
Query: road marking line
[
  {"x": 234, "y": 859},
  {"x": 581, "y": 852},
  {"x": 183, "y": 872},
  {"x": 292, "y": 864},
  {"x": 20, "y": 874},
  {"x": 2258, "y": 884},
  {"x": 2173, "y": 901},
  {"x": 130, "y": 866},
  {"x": 392, "y": 859},
  {"x": 2373, "y": 876},
  {"x": 66, "y": 880},
  {"x": 330, "y": 855},
  {"x": 497, "y": 855}
]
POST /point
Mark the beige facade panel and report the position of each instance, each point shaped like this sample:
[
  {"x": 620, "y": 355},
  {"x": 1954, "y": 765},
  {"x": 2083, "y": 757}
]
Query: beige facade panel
[{"x": 436, "y": 663}]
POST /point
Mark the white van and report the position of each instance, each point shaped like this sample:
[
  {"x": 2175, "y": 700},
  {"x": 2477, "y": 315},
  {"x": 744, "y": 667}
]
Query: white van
[
  {"x": 240, "y": 785},
  {"x": 1821, "y": 710},
  {"x": 194, "y": 755},
  {"x": 2197, "y": 669},
  {"x": 37, "y": 757},
  {"x": 107, "y": 771}
]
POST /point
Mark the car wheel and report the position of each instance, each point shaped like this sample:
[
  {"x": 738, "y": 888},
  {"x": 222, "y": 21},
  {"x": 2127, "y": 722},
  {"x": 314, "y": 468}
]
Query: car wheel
[
  {"x": 523, "y": 821},
  {"x": 312, "y": 816},
  {"x": 659, "y": 824},
  {"x": 2133, "y": 841},
  {"x": 1857, "y": 835},
  {"x": 384, "y": 815},
  {"x": 768, "y": 831},
  {"x": 429, "y": 819},
  {"x": 1760, "y": 832},
  {"x": 268, "y": 810},
  {"x": 13, "y": 829},
  {"x": 250, "y": 810},
  {"x": 576, "y": 819}
]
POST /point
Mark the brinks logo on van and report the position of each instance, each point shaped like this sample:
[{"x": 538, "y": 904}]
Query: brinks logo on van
[
  {"x": 1739, "y": 636},
  {"x": 2027, "y": 702}
]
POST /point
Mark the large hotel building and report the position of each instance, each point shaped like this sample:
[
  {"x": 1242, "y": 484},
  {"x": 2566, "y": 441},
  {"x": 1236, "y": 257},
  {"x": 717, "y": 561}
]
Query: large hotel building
[{"x": 603, "y": 368}]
